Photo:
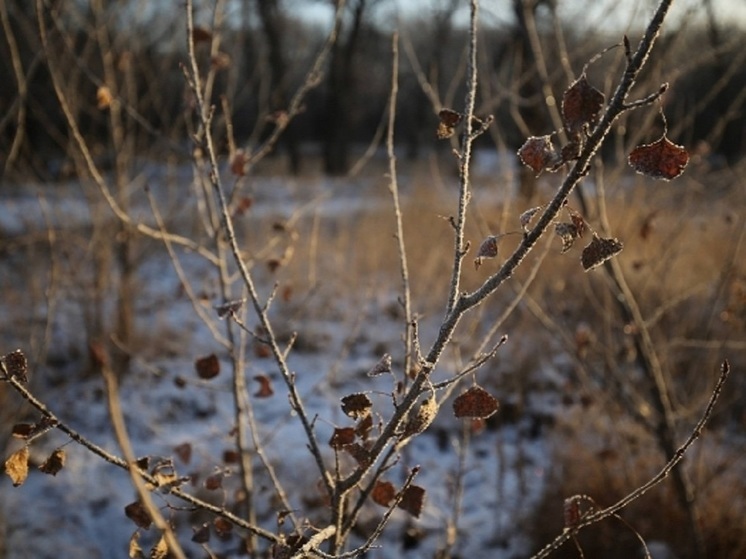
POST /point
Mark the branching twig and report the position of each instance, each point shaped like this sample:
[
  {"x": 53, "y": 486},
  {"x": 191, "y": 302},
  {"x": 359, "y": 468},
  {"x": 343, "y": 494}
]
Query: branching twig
[
  {"x": 119, "y": 462},
  {"x": 595, "y": 517}
]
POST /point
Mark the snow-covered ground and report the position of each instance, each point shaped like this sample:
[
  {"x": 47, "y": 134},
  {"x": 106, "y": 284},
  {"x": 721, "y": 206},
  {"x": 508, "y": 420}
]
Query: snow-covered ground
[{"x": 80, "y": 512}]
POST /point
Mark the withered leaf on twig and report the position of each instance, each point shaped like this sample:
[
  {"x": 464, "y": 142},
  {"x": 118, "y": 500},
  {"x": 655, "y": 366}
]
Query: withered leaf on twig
[
  {"x": 54, "y": 463},
  {"x": 383, "y": 493},
  {"x": 16, "y": 365},
  {"x": 538, "y": 153},
  {"x": 356, "y": 405},
  {"x": 475, "y": 403},
  {"x": 342, "y": 437},
  {"x": 599, "y": 251},
  {"x": 449, "y": 119},
  {"x": 581, "y": 106},
  {"x": 16, "y": 466},
  {"x": 412, "y": 500},
  {"x": 660, "y": 160}
]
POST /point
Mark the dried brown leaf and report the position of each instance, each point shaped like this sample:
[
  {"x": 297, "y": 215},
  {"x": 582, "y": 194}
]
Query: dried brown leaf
[
  {"x": 599, "y": 251},
  {"x": 202, "y": 534},
  {"x": 23, "y": 430},
  {"x": 137, "y": 513},
  {"x": 16, "y": 466},
  {"x": 54, "y": 463},
  {"x": 488, "y": 249},
  {"x": 265, "y": 386},
  {"x": 538, "y": 153},
  {"x": 207, "y": 367},
  {"x": 581, "y": 106},
  {"x": 16, "y": 365},
  {"x": 342, "y": 437},
  {"x": 214, "y": 481},
  {"x": 568, "y": 232},
  {"x": 475, "y": 403},
  {"x": 449, "y": 119},
  {"x": 412, "y": 500},
  {"x": 527, "y": 216},
  {"x": 383, "y": 493},
  {"x": 356, "y": 405},
  {"x": 660, "y": 160},
  {"x": 383, "y": 366}
]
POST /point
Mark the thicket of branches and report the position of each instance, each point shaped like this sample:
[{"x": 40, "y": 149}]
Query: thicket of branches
[{"x": 612, "y": 100}]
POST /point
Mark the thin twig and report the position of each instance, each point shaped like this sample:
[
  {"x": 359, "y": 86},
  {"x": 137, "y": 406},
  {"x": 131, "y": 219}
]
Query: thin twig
[
  {"x": 394, "y": 189},
  {"x": 655, "y": 480},
  {"x": 125, "y": 444}
]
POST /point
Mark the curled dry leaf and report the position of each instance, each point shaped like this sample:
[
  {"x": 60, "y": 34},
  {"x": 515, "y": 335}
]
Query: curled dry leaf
[
  {"x": 599, "y": 251},
  {"x": 412, "y": 500},
  {"x": 383, "y": 493},
  {"x": 16, "y": 365},
  {"x": 488, "y": 249},
  {"x": 54, "y": 463},
  {"x": 568, "y": 232},
  {"x": 420, "y": 421},
  {"x": 136, "y": 513},
  {"x": 207, "y": 367},
  {"x": 383, "y": 366},
  {"x": 538, "y": 153},
  {"x": 26, "y": 431},
  {"x": 475, "y": 403},
  {"x": 527, "y": 216},
  {"x": 581, "y": 106},
  {"x": 356, "y": 406},
  {"x": 660, "y": 160},
  {"x": 265, "y": 386},
  {"x": 16, "y": 466},
  {"x": 342, "y": 437},
  {"x": 578, "y": 222},
  {"x": 449, "y": 120}
]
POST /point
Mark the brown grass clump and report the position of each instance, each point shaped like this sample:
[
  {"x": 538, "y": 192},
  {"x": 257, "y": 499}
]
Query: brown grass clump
[{"x": 599, "y": 452}]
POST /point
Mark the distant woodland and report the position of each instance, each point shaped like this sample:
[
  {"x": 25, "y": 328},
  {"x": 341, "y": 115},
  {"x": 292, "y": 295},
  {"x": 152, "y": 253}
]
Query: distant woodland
[{"x": 262, "y": 50}]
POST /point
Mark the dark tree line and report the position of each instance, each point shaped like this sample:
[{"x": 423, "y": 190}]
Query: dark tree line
[{"x": 265, "y": 47}]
